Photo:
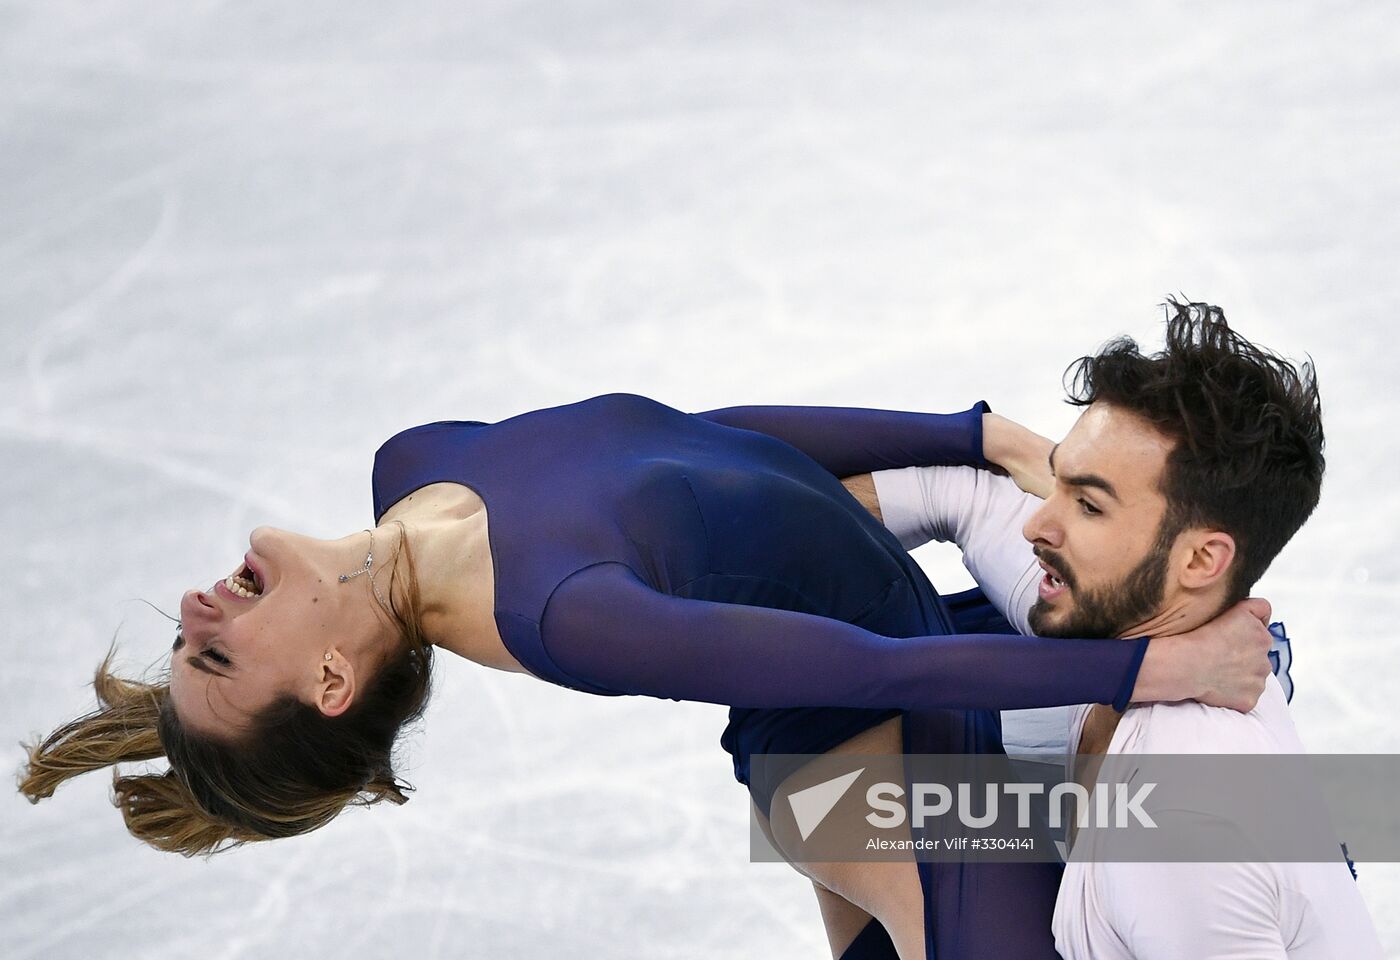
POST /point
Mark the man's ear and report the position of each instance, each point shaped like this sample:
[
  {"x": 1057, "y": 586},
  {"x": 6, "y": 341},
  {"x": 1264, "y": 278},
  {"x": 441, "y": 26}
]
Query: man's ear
[
  {"x": 1208, "y": 563},
  {"x": 335, "y": 688}
]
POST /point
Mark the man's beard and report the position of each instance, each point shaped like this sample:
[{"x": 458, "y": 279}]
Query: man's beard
[{"x": 1105, "y": 611}]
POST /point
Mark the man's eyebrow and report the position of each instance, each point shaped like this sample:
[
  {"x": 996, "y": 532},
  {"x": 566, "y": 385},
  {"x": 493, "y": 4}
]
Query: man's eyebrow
[
  {"x": 1092, "y": 480},
  {"x": 1083, "y": 479}
]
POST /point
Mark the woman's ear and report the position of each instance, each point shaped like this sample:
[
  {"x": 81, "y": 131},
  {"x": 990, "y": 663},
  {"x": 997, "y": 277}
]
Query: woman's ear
[
  {"x": 335, "y": 687},
  {"x": 1212, "y": 552}
]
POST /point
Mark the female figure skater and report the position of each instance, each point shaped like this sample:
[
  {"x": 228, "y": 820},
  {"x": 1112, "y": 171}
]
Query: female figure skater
[{"x": 614, "y": 546}]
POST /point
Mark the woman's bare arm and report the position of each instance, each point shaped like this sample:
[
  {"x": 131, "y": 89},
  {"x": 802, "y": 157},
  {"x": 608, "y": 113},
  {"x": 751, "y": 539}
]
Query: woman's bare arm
[{"x": 1021, "y": 452}]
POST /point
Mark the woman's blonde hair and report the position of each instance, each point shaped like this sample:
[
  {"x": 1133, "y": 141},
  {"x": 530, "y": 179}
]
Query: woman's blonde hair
[{"x": 293, "y": 772}]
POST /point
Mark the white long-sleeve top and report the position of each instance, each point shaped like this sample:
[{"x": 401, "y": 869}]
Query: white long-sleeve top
[
  {"x": 1137, "y": 911},
  {"x": 983, "y": 514}
]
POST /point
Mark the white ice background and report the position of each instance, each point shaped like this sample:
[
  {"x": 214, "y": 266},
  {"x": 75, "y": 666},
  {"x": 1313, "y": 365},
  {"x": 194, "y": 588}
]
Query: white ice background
[{"x": 243, "y": 244}]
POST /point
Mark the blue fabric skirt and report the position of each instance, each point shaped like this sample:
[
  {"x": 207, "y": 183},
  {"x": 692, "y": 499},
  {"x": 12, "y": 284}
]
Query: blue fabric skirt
[{"x": 972, "y": 911}]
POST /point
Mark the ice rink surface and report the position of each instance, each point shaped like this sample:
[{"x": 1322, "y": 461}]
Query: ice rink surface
[{"x": 243, "y": 244}]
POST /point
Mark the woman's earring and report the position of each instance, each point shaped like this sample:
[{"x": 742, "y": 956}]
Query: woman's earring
[{"x": 328, "y": 656}]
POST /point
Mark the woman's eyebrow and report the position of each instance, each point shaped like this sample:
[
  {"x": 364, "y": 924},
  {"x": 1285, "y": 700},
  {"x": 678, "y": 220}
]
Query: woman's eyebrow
[{"x": 199, "y": 664}]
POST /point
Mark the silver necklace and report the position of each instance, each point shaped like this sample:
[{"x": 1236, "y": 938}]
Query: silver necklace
[{"x": 369, "y": 562}]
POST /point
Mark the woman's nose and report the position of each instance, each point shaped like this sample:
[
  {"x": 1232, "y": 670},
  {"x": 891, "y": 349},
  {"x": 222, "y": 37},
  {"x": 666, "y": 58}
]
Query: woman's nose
[
  {"x": 196, "y": 607},
  {"x": 263, "y": 536}
]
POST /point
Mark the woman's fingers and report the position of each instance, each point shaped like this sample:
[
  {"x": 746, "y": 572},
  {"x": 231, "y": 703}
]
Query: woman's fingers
[{"x": 1234, "y": 654}]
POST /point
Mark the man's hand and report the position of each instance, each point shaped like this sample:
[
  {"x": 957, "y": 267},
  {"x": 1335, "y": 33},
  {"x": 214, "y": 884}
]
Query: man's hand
[
  {"x": 1223, "y": 663},
  {"x": 1022, "y": 453}
]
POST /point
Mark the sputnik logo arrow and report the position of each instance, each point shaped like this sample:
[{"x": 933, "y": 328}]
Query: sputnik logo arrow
[{"x": 810, "y": 806}]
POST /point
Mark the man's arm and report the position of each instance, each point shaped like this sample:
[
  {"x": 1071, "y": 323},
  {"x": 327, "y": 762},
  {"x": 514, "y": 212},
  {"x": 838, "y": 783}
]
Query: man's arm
[
  {"x": 984, "y": 515},
  {"x": 981, "y": 512},
  {"x": 862, "y": 487}
]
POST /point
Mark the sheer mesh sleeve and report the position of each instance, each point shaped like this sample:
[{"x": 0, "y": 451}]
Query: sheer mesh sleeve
[
  {"x": 851, "y": 440},
  {"x": 605, "y": 626}
]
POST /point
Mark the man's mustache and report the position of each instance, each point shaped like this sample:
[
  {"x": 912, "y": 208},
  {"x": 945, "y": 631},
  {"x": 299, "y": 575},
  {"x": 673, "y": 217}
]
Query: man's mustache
[{"x": 1053, "y": 559}]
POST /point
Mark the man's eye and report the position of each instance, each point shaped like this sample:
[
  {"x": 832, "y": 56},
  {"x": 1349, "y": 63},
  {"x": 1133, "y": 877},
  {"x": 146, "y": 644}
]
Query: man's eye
[{"x": 1089, "y": 508}]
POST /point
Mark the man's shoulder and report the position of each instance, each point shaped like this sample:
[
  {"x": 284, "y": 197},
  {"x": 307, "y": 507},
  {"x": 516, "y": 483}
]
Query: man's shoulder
[{"x": 1191, "y": 727}]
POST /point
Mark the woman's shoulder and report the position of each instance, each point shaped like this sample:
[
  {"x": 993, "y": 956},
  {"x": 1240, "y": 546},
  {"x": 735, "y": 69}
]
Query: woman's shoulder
[
  {"x": 425, "y": 431},
  {"x": 602, "y": 403}
]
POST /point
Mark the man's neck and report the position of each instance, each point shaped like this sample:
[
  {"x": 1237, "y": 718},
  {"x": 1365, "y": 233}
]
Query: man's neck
[{"x": 1181, "y": 614}]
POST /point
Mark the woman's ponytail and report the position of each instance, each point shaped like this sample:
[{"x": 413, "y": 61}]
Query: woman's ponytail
[{"x": 124, "y": 727}]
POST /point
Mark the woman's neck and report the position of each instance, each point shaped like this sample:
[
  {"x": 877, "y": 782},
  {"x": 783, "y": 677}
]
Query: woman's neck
[{"x": 447, "y": 532}]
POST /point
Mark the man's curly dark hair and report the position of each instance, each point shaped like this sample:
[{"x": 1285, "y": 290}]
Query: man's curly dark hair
[{"x": 1246, "y": 425}]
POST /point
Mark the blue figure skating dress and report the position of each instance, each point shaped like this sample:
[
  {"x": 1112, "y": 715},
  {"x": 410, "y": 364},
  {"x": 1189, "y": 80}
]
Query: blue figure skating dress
[{"x": 717, "y": 557}]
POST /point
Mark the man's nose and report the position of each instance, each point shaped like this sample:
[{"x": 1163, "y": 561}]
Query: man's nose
[{"x": 1041, "y": 528}]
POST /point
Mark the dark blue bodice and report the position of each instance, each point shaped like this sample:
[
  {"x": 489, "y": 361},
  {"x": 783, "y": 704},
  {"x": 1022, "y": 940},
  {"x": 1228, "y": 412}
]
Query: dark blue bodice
[{"x": 717, "y": 557}]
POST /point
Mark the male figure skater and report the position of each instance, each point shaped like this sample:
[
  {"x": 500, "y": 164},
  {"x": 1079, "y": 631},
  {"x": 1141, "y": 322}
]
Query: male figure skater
[{"x": 1186, "y": 474}]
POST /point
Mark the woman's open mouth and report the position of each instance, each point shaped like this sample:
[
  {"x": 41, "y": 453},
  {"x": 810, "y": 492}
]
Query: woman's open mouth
[{"x": 245, "y": 583}]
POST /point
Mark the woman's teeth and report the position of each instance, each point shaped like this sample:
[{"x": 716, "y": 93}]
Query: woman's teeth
[{"x": 241, "y": 586}]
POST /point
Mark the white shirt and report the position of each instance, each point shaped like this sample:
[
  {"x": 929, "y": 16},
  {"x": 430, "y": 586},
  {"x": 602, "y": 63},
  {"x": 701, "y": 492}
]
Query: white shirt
[
  {"x": 983, "y": 514},
  {"x": 1143, "y": 911},
  {"x": 1138, "y": 911}
]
